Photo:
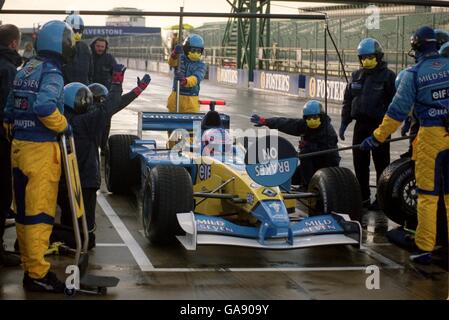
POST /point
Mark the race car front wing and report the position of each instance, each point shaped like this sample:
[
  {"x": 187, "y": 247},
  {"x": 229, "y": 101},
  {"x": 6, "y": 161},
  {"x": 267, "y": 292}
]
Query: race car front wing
[{"x": 323, "y": 230}]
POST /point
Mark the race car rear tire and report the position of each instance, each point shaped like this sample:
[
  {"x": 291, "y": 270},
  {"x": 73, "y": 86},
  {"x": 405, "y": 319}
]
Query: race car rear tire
[
  {"x": 338, "y": 191},
  {"x": 121, "y": 172},
  {"x": 168, "y": 190},
  {"x": 396, "y": 193}
]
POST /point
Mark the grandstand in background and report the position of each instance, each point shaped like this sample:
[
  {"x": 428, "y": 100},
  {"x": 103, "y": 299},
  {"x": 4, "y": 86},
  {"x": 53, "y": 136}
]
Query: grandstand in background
[
  {"x": 347, "y": 23},
  {"x": 298, "y": 46},
  {"x": 295, "y": 43}
]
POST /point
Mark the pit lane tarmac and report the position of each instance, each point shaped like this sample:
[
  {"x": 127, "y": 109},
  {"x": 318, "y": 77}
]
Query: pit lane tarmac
[{"x": 216, "y": 272}]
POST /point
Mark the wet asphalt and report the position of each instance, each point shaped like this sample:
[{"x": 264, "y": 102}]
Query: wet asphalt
[{"x": 220, "y": 273}]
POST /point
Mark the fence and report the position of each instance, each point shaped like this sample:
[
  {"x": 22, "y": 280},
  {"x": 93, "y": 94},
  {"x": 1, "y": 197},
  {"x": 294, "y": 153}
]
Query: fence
[{"x": 303, "y": 61}]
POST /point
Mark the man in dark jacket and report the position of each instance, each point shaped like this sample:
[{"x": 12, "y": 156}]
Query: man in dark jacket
[
  {"x": 366, "y": 100},
  {"x": 81, "y": 68},
  {"x": 103, "y": 61},
  {"x": 9, "y": 61},
  {"x": 317, "y": 134},
  {"x": 88, "y": 123}
]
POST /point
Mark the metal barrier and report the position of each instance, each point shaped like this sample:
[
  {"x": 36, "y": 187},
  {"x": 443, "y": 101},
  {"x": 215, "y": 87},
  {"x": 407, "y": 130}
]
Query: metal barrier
[{"x": 294, "y": 60}]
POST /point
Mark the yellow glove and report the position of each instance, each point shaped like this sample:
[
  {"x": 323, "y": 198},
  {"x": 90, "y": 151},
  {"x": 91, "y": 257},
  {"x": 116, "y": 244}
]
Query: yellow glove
[{"x": 7, "y": 128}]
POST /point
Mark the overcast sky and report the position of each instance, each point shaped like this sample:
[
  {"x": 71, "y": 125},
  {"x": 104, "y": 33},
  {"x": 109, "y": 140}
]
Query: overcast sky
[{"x": 146, "y": 5}]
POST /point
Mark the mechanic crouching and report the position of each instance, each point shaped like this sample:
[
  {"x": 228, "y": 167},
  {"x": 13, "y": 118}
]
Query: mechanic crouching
[{"x": 317, "y": 134}]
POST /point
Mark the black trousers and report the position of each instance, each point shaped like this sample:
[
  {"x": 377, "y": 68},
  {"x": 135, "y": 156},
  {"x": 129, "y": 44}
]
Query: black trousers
[
  {"x": 309, "y": 166},
  {"x": 5, "y": 183},
  {"x": 104, "y": 139},
  {"x": 362, "y": 159},
  {"x": 90, "y": 202}
]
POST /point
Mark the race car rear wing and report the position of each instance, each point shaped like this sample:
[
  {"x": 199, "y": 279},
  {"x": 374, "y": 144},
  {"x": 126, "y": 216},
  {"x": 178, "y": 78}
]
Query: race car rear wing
[{"x": 164, "y": 121}]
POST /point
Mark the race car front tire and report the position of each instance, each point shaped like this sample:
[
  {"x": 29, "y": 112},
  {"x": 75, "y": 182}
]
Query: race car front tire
[
  {"x": 338, "y": 192},
  {"x": 121, "y": 172},
  {"x": 168, "y": 191}
]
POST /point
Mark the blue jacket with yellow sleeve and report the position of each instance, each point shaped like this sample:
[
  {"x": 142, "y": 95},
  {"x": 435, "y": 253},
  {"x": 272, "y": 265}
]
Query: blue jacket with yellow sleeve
[
  {"x": 194, "y": 71},
  {"x": 35, "y": 104},
  {"x": 425, "y": 86}
]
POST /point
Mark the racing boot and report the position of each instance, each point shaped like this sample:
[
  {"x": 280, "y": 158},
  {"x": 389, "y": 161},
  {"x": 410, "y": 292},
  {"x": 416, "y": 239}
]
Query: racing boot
[
  {"x": 421, "y": 257},
  {"x": 402, "y": 238},
  {"x": 49, "y": 283}
]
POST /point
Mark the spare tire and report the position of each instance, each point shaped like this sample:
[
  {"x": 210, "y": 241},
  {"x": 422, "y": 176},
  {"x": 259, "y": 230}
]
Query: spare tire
[
  {"x": 168, "y": 191},
  {"x": 338, "y": 191},
  {"x": 396, "y": 193},
  {"x": 121, "y": 172}
]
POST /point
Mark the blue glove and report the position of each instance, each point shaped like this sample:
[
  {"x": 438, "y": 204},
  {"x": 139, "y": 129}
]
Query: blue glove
[
  {"x": 406, "y": 127},
  {"x": 180, "y": 76},
  {"x": 341, "y": 132},
  {"x": 258, "y": 120},
  {"x": 144, "y": 82},
  {"x": 179, "y": 49},
  {"x": 118, "y": 73},
  {"x": 369, "y": 144}
]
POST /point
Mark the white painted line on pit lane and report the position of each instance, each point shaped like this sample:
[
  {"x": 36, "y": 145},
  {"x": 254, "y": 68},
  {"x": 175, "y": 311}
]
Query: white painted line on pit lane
[
  {"x": 380, "y": 258},
  {"x": 110, "y": 245},
  {"x": 279, "y": 269},
  {"x": 136, "y": 251}
]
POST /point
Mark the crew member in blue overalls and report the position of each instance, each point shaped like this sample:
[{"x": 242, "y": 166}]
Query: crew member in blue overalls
[
  {"x": 411, "y": 124},
  {"x": 190, "y": 74},
  {"x": 35, "y": 109},
  {"x": 424, "y": 86}
]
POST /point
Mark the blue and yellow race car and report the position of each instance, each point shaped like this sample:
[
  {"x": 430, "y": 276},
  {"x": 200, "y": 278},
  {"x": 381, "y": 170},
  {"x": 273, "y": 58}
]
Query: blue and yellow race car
[{"x": 202, "y": 190}]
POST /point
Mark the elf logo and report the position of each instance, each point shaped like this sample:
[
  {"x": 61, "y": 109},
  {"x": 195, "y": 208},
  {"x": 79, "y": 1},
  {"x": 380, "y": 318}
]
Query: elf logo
[
  {"x": 204, "y": 172},
  {"x": 440, "y": 94}
]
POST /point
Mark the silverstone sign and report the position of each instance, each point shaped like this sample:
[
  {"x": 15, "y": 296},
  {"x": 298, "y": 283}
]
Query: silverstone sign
[
  {"x": 316, "y": 88},
  {"x": 114, "y": 31}
]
